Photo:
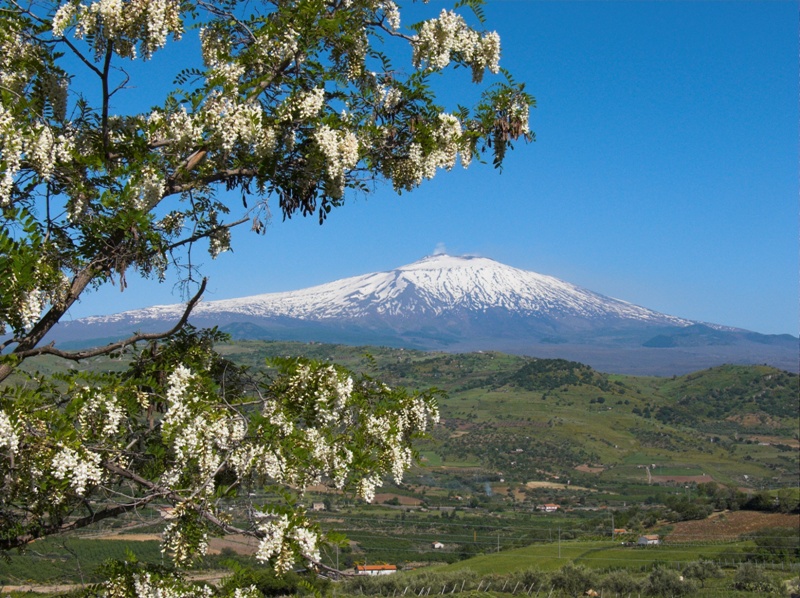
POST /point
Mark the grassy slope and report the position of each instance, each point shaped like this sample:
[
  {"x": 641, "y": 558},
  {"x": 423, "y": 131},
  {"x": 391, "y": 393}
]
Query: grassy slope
[{"x": 534, "y": 419}]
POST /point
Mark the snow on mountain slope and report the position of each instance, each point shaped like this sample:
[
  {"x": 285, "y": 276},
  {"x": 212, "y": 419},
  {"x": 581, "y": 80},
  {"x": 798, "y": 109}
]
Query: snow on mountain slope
[{"x": 433, "y": 286}]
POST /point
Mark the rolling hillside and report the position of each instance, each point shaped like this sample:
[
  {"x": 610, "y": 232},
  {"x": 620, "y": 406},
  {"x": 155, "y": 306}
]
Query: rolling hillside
[{"x": 526, "y": 419}]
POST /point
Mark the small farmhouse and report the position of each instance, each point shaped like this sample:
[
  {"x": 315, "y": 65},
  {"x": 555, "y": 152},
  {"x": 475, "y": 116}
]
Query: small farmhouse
[
  {"x": 318, "y": 506},
  {"x": 437, "y": 545},
  {"x": 375, "y": 569},
  {"x": 548, "y": 508},
  {"x": 649, "y": 540}
]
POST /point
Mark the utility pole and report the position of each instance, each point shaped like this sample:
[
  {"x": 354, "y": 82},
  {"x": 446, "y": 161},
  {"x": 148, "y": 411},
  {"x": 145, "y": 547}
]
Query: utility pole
[{"x": 559, "y": 541}]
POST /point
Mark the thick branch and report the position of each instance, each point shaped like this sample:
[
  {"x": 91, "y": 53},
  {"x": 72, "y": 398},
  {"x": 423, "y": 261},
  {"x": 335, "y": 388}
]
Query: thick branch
[
  {"x": 79, "y": 355},
  {"x": 216, "y": 177},
  {"x": 106, "y": 97},
  {"x": 52, "y": 317},
  {"x": 19, "y": 541}
]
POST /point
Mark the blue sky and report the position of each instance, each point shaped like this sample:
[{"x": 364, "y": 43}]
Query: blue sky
[{"x": 665, "y": 171}]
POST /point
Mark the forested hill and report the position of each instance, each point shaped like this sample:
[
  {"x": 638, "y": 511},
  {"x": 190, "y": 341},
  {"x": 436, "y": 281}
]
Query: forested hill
[{"x": 529, "y": 417}]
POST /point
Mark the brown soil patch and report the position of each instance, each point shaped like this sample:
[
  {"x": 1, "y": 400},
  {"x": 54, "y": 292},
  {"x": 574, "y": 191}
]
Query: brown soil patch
[
  {"x": 792, "y": 442},
  {"x": 682, "y": 479},
  {"x": 729, "y": 525},
  {"x": 586, "y": 468},
  {"x": 408, "y": 501},
  {"x": 754, "y": 419},
  {"x": 239, "y": 544}
]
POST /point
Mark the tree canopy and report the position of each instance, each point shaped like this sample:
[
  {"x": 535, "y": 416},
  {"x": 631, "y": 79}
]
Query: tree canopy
[{"x": 297, "y": 102}]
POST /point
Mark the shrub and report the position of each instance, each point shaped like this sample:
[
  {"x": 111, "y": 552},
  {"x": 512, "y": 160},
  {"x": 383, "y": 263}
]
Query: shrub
[
  {"x": 573, "y": 580},
  {"x": 620, "y": 582},
  {"x": 702, "y": 570},
  {"x": 667, "y": 582},
  {"x": 751, "y": 578}
]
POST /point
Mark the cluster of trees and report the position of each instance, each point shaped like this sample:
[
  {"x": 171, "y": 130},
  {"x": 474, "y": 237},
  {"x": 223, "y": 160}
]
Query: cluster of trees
[
  {"x": 298, "y": 102},
  {"x": 571, "y": 580}
]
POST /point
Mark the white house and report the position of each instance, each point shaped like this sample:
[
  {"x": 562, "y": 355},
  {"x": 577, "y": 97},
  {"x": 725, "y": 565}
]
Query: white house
[
  {"x": 437, "y": 545},
  {"x": 649, "y": 540}
]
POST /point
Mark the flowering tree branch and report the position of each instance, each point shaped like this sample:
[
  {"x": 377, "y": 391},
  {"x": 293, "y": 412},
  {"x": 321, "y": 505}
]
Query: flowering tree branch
[
  {"x": 296, "y": 103},
  {"x": 119, "y": 345}
]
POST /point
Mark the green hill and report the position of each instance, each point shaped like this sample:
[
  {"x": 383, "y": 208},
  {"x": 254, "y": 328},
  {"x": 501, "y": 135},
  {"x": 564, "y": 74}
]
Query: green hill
[{"x": 522, "y": 419}]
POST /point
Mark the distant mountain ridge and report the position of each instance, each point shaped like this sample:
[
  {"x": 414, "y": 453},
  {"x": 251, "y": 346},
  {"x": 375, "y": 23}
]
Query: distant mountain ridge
[
  {"x": 468, "y": 303},
  {"x": 433, "y": 286}
]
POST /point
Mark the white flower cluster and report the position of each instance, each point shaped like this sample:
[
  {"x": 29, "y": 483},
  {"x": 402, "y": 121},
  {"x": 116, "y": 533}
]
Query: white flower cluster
[
  {"x": 37, "y": 146},
  {"x": 220, "y": 124},
  {"x": 78, "y": 469},
  {"x": 391, "y": 13},
  {"x": 148, "y": 188},
  {"x": 447, "y": 35},
  {"x": 30, "y": 308},
  {"x": 44, "y": 150},
  {"x": 175, "y": 542},
  {"x": 146, "y": 586},
  {"x": 26, "y": 305},
  {"x": 216, "y": 52},
  {"x": 273, "y": 544},
  {"x": 172, "y": 223},
  {"x": 303, "y": 106},
  {"x": 219, "y": 242},
  {"x": 340, "y": 149},
  {"x": 9, "y": 438},
  {"x": 279, "y": 534},
  {"x": 100, "y": 415},
  {"x": 307, "y": 542},
  {"x": 520, "y": 111},
  {"x": 146, "y": 23},
  {"x": 390, "y": 98},
  {"x": 417, "y": 166},
  {"x": 329, "y": 389},
  {"x": 199, "y": 434},
  {"x": 367, "y": 485}
]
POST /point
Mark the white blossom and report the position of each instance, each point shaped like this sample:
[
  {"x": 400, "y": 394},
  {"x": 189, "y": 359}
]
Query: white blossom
[
  {"x": 391, "y": 13},
  {"x": 307, "y": 542},
  {"x": 103, "y": 415},
  {"x": 367, "y": 485},
  {"x": 219, "y": 241},
  {"x": 272, "y": 544},
  {"x": 306, "y": 105},
  {"x": 149, "y": 188},
  {"x": 30, "y": 309},
  {"x": 146, "y": 23},
  {"x": 9, "y": 438},
  {"x": 78, "y": 469},
  {"x": 178, "y": 546},
  {"x": 441, "y": 38},
  {"x": 340, "y": 149}
]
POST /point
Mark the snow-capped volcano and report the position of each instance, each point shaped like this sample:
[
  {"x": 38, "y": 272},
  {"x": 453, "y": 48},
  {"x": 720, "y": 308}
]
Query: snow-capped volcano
[
  {"x": 437, "y": 285},
  {"x": 465, "y": 304}
]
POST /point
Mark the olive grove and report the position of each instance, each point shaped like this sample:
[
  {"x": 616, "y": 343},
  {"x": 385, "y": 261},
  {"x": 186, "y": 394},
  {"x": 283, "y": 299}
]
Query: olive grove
[{"x": 294, "y": 103}]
